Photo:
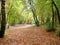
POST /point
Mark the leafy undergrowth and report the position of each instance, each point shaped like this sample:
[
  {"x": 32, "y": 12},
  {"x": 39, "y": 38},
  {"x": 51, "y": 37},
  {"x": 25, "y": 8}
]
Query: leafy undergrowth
[{"x": 29, "y": 36}]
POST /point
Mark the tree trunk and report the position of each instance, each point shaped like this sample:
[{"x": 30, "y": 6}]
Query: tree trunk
[
  {"x": 3, "y": 22},
  {"x": 52, "y": 16},
  {"x": 34, "y": 15},
  {"x": 56, "y": 10}
]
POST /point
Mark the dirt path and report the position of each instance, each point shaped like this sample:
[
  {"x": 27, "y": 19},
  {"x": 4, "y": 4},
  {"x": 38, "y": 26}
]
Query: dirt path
[
  {"x": 29, "y": 36},
  {"x": 22, "y": 26}
]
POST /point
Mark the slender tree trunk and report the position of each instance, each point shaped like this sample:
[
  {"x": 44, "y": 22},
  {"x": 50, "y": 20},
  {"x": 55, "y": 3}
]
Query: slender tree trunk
[
  {"x": 34, "y": 15},
  {"x": 52, "y": 16},
  {"x": 56, "y": 10},
  {"x": 3, "y": 22},
  {"x": 29, "y": 3}
]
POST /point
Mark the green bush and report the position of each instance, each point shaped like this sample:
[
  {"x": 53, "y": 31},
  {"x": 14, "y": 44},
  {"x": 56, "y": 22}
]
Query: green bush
[
  {"x": 57, "y": 32},
  {"x": 33, "y": 22},
  {"x": 49, "y": 27},
  {"x": 21, "y": 20},
  {"x": 12, "y": 23}
]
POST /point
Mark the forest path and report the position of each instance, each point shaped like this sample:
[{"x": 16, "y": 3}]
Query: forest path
[
  {"x": 18, "y": 26},
  {"x": 29, "y": 36}
]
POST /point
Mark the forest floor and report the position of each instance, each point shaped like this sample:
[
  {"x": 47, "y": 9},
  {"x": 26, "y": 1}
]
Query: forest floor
[{"x": 29, "y": 36}]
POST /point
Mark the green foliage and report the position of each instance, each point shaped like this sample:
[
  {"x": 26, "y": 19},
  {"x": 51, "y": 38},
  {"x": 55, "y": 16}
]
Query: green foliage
[
  {"x": 57, "y": 32},
  {"x": 15, "y": 12},
  {"x": 12, "y": 22},
  {"x": 21, "y": 20},
  {"x": 33, "y": 22},
  {"x": 43, "y": 9},
  {"x": 50, "y": 27},
  {"x": 19, "y": 8}
]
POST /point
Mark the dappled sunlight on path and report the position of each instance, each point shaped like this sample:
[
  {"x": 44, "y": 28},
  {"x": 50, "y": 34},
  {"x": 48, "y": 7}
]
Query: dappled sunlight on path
[{"x": 29, "y": 36}]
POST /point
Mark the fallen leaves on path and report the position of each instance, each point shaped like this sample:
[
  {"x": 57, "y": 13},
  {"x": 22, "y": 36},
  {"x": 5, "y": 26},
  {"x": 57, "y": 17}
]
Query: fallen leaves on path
[{"x": 29, "y": 36}]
